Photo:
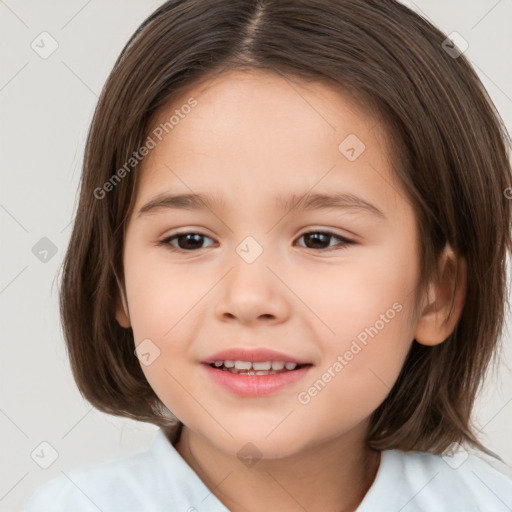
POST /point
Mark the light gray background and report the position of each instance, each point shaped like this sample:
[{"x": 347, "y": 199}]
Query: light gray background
[{"x": 46, "y": 106}]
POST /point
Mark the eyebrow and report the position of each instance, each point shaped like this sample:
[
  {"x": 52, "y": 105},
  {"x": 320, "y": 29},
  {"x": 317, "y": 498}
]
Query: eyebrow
[{"x": 299, "y": 202}]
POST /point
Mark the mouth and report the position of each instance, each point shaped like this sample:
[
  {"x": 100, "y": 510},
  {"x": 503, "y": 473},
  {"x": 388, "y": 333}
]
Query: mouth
[
  {"x": 257, "y": 368},
  {"x": 252, "y": 379},
  {"x": 254, "y": 372}
]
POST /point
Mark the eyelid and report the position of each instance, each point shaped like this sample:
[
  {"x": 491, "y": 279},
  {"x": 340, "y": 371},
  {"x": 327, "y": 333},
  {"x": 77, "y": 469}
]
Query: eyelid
[
  {"x": 167, "y": 239},
  {"x": 349, "y": 237},
  {"x": 343, "y": 240}
]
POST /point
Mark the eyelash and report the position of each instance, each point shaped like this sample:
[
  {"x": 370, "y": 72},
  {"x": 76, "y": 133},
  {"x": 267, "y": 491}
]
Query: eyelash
[{"x": 344, "y": 241}]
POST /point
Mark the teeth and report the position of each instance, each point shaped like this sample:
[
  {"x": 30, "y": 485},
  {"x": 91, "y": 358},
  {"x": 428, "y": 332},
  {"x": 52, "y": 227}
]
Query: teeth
[
  {"x": 262, "y": 366},
  {"x": 243, "y": 365},
  {"x": 256, "y": 368}
]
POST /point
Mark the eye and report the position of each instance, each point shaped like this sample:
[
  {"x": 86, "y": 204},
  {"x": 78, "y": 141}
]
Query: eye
[
  {"x": 186, "y": 241},
  {"x": 319, "y": 239}
]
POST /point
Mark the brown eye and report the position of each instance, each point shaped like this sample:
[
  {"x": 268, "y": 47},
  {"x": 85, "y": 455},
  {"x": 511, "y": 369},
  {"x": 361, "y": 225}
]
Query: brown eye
[
  {"x": 185, "y": 241},
  {"x": 321, "y": 240}
]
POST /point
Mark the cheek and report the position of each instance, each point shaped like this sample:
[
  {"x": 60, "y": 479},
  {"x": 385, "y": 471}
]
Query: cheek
[
  {"x": 162, "y": 302},
  {"x": 161, "y": 295},
  {"x": 357, "y": 373},
  {"x": 367, "y": 308},
  {"x": 365, "y": 296}
]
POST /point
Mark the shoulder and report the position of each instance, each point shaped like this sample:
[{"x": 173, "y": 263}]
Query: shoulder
[
  {"x": 121, "y": 484},
  {"x": 418, "y": 481}
]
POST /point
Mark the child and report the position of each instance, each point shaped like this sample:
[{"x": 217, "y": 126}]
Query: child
[{"x": 321, "y": 350}]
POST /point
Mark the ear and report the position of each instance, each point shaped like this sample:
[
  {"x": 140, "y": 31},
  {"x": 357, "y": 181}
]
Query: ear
[
  {"x": 441, "y": 309},
  {"x": 121, "y": 309}
]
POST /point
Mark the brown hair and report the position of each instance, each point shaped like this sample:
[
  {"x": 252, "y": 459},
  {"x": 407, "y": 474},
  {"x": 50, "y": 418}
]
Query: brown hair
[{"x": 449, "y": 151}]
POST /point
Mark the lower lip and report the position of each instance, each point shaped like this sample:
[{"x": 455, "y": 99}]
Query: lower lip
[{"x": 255, "y": 385}]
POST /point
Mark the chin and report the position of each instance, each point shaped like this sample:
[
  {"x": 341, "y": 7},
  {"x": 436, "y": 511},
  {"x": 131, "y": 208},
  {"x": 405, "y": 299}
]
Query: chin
[{"x": 256, "y": 440}]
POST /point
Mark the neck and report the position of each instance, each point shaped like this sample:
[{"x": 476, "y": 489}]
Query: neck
[{"x": 332, "y": 476}]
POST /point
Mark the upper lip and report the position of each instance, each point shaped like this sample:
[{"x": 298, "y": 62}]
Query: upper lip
[{"x": 254, "y": 355}]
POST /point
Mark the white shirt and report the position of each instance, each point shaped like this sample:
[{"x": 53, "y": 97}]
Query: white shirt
[{"x": 160, "y": 480}]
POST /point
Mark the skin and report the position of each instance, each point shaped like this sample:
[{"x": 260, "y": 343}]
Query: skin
[{"x": 251, "y": 136}]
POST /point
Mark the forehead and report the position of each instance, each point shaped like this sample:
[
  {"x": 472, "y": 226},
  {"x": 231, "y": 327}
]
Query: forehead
[
  {"x": 260, "y": 102},
  {"x": 266, "y": 133}
]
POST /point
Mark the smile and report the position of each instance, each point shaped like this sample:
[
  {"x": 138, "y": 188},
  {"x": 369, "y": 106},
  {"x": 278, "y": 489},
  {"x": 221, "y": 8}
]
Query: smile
[
  {"x": 249, "y": 381},
  {"x": 255, "y": 368}
]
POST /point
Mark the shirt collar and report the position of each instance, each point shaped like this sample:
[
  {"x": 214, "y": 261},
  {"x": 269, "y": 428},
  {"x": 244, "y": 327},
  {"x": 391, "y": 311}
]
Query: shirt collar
[{"x": 180, "y": 484}]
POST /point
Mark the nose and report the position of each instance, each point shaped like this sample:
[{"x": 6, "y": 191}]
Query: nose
[{"x": 251, "y": 293}]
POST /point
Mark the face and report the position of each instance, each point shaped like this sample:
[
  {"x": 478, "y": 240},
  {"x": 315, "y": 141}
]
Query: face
[{"x": 250, "y": 276}]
